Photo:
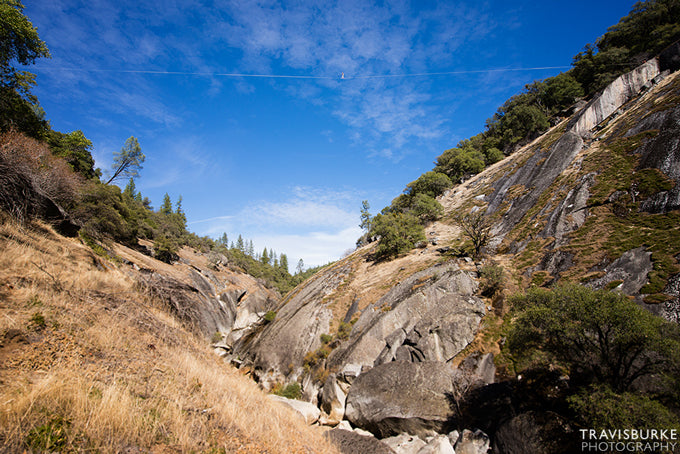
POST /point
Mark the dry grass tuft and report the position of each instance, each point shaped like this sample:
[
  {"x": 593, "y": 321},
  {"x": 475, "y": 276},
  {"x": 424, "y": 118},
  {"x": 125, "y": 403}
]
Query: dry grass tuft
[{"x": 89, "y": 363}]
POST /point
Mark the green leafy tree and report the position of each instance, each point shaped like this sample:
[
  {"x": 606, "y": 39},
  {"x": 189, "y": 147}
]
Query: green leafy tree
[
  {"x": 457, "y": 163},
  {"x": 398, "y": 232},
  {"x": 594, "y": 333},
  {"x": 426, "y": 208},
  {"x": 128, "y": 161},
  {"x": 561, "y": 91},
  {"x": 76, "y": 149},
  {"x": 283, "y": 262},
  {"x": 600, "y": 407},
  {"x": 524, "y": 121},
  {"x": 430, "y": 183},
  {"x": 19, "y": 44},
  {"x": 644, "y": 32}
]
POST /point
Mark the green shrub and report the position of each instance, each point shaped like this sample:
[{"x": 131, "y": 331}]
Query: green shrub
[
  {"x": 292, "y": 390},
  {"x": 326, "y": 338},
  {"x": 430, "y": 183},
  {"x": 492, "y": 280},
  {"x": 269, "y": 317},
  {"x": 165, "y": 249},
  {"x": 344, "y": 330},
  {"x": 38, "y": 321},
  {"x": 601, "y": 408},
  {"x": 426, "y": 208},
  {"x": 50, "y": 437},
  {"x": 457, "y": 163}
]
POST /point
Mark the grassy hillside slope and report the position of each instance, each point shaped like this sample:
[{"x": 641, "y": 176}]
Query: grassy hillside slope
[{"x": 90, "y": 363}]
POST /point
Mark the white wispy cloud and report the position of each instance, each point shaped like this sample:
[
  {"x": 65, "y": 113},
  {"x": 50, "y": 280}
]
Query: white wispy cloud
[
  {"x": 315, "y": 224},
  {"x": 310, "y": 208},
  {"x": 357, "y": 38},
  {"x": 316, "y": 248},
  {"x": 354, "y": 37}
]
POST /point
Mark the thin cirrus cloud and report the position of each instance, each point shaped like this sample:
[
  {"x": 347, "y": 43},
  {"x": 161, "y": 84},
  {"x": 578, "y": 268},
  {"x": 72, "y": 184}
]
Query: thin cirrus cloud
[
  {"x": 314, "y": 208},
  {"x": 326, "y": 217},
  {"x": 357, "y": 38}
]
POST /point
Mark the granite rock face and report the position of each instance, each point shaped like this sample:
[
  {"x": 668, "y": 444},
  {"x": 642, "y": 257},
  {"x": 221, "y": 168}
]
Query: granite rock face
[
  {"x": 614, "y": 96},
  {"x": 399, "y": 396},
  {"x": 535, "y": 175},
  {"x": 300, "y": 321},
  {"x": 430, "y": 316},
  {"x": 662, "y": 152}
]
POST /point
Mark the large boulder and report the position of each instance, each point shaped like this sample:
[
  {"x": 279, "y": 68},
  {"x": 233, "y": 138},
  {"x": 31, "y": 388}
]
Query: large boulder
[
  {"x": 399, "y": 396},
  {"x": 405, "y": 444},
  {"x": 476, "y": 442},
  {"x": 349, "y": 442},
  {"x": 195, "y": 304},
  {"x": 538, "y": 432},
  {"x": 308, "y": 412},
  {"x": 439, "y": 444}
]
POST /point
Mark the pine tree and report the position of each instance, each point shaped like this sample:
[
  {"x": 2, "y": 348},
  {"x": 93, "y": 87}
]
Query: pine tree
[
  {"x": 166, "y": 207},
  {"x": 265, "y": 256},
  {"x": 179, "y": 213},
  {"x": 240, "y": 245},
  {"x": 365, "y": 216},
  {"x": 128, "y": 161},
  {"x": 300, "y": 267},
  {"x": 283, "y": 262},
  {"x": 130, "y": 190}
]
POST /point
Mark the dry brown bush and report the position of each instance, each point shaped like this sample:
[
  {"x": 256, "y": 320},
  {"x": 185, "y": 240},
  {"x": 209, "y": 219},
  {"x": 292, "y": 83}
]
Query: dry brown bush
[{"x": 29, "y": 171}]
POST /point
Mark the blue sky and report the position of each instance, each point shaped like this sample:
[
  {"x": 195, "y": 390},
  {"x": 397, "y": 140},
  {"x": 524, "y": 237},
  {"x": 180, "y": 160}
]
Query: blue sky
[{"x": 240, "y": 106}]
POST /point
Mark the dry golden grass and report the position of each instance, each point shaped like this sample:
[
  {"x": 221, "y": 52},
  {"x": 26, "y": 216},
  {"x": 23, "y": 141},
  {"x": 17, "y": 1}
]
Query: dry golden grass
[{"x": 88, "y": 363}]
